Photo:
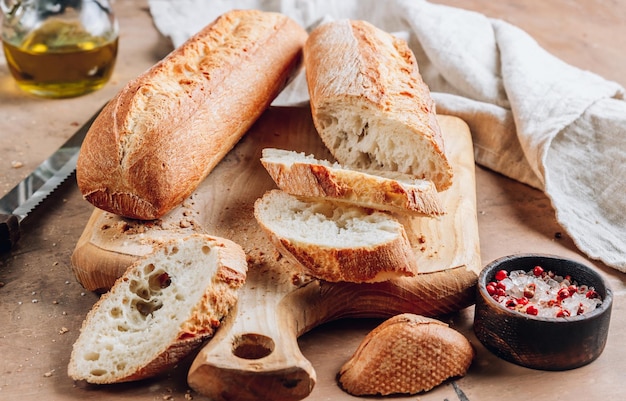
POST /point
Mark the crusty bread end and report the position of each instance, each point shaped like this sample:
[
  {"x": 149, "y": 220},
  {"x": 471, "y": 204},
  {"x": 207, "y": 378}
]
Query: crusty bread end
[{"x": 406, "y": 354}]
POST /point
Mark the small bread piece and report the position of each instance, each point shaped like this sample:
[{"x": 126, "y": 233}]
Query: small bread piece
[
  {"x": 303, "y": 175},
  {"x": 162, "y": 308},
  {"x": 369, "y": 103},
  {"x": 335, "y": 242},
  {"x": 165, "y": 131},
  {"x": 406, "y": 354}
]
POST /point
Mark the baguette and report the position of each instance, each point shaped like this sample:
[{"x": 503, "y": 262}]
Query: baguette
[
  {"x": 369, "y": 103},
  {"x": 335, "y": 242},
  {"x": 162, "y": 308},
  {"x": 304, "y": 176},
  {"x": 406, "y": 354},
  {"x": 164, "y": 132}
]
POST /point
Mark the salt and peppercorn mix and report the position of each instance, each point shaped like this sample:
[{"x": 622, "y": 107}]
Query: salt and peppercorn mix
[{"x": 542, "y": 293}]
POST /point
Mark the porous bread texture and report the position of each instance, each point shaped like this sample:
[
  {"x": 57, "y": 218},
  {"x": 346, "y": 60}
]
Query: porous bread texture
[
  {"x": 406, "y": 354},
  {"x": 163, "y": 307},
  {"x": 165, "y": 131},
  {"x": 305, "y": 176},
  {"x": 336, "y": 242},
  {"x": 369, "y": 103}
]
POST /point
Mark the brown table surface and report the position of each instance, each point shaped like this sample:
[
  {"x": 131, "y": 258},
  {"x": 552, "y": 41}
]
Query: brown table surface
[{"x": 42, "y": 305}]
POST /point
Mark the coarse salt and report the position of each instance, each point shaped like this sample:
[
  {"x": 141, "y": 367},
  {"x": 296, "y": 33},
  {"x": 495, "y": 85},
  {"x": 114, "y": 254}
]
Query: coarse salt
[{"x": 542, "y": 293}]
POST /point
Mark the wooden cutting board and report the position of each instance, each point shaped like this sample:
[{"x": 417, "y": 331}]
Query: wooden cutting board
[{"x": 255, "y": 354}]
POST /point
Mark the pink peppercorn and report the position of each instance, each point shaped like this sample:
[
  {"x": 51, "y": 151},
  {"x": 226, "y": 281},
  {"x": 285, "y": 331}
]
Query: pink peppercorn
[
  {"x": 538, "y": 271},
  {"x": 501, "y": 275},
  {"x": 532, "y": 310},
  {"x": 522, "y": 301},
  {"x": 562, "y": 293},
  {"x": 562, "y": 313},
  {"x": 529, "y": 290}
]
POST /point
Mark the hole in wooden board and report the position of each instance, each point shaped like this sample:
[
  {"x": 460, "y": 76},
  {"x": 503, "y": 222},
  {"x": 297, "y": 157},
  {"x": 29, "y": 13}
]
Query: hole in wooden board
[{"x": 252, "y": 346}]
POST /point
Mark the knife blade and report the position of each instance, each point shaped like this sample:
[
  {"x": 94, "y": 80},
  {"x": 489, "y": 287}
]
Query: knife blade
[{"x": 16, "y": 204}]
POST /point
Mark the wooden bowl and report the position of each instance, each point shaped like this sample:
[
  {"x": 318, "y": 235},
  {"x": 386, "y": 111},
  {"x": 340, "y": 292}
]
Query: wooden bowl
[{"x": 545, "y": 343}]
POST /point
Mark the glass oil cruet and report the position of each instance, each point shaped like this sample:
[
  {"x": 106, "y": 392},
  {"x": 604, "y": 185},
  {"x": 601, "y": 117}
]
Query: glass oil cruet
[{"x": 59, "y": 48}]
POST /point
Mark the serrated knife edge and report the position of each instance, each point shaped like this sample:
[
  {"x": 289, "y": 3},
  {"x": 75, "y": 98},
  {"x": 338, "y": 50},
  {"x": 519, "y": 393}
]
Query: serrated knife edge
[{"x": 47, "y": 188}]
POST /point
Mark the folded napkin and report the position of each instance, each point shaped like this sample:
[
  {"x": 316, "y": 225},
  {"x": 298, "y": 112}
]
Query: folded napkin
[{"x": 533, "y": 117}]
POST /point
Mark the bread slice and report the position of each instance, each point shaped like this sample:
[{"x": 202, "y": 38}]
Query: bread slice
[
  {"x": 162, "y": 308},
  {"x": 303, "y": 175},
  {"x": 369, "y": 103},
  {"x": 336, "y": 242},
  {"x": 406, "y": 354}
]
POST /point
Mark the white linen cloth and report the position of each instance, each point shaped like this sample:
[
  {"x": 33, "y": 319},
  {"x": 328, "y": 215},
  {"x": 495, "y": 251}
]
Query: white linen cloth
[{"x": 533, "y": 117}]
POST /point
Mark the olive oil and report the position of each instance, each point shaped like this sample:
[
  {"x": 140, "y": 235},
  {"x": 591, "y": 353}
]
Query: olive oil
[{"x": 60, "y": 59}]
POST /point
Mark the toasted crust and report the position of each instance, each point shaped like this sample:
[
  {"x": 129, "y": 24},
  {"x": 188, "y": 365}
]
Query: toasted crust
[
  {"x": 369, "y": 103},
  {"x": 305, "y": 176},
  {"x": 406, "y": 354},
  {"x": 335, "y": 242},
  {"x": 166, "y": 130},
  {"x": 164, "y": 306}
]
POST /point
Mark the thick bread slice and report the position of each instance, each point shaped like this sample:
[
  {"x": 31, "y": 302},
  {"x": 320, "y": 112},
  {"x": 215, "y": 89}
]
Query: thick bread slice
[
  {"x": 370, "y": 105},
  {"x": 406, "y": 354},
  {"x": 335, "y": 242},
  {"x": 303, "y": 175},
  {"x": 162, "y": 308},
  {"x": 166, "y": 130}
]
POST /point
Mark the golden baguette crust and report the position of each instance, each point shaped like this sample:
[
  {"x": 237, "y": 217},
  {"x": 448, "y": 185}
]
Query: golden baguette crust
[
  {"x": 162, "y": 308},
  {"x": 406, "y": 354},
  {"x": 369, "y": 103},
  {"x": 304, "y": 176},
  {"x": 167, "y": 129},
  {"x": 335, "y": 242}
]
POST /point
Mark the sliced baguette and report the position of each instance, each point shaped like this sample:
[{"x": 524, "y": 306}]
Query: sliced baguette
[
  {"x": 303, "y": 175},
  {"x": 336, "y": 242},
  {"x": 369, "y": 103},
  {"x": 406, "y": 354},
  {"x": 163, "y": 307}
]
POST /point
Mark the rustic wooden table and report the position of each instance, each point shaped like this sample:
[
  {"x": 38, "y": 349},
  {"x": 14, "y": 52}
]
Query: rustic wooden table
[{"x": 42, "y": 305}]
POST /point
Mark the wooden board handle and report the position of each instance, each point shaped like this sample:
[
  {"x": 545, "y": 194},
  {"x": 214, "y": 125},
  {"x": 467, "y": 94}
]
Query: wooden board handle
[{"x": 255, "y": 353}]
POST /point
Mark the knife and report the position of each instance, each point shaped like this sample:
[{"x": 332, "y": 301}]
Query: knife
[{"x": 37, "y": 186}]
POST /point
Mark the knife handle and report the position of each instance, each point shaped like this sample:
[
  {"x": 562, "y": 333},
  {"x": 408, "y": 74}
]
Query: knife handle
[{"x": 9, "y": 231}]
